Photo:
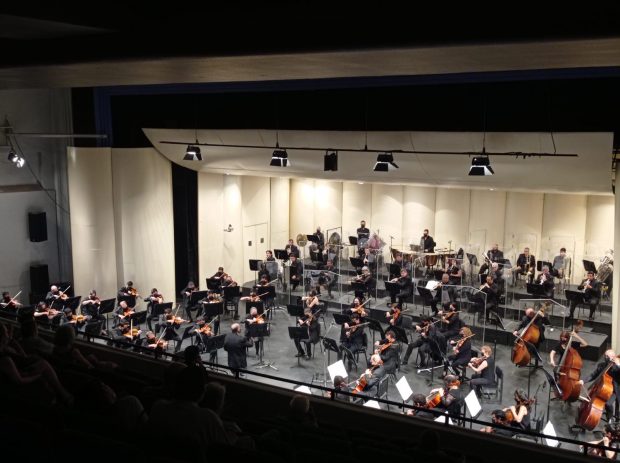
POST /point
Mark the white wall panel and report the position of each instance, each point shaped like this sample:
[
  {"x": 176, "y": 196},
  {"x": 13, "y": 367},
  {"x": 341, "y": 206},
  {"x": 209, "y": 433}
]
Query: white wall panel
[
  {"x": 142, "y": 181},
  {"x": 522, "y": 223},
  {"x": 418, "y": 214},
  {"x": 328, "y": 205},
  {"x": 255, "y": 210},
  {"x": 356, "y": 206},
  {"x": 486, "y": 218},
  {"x": 564, "y": 223},
  {"x": 451, "y": 217},
  {"x": 232, "y": 259},
  {"x": 92, "y": 221},
  {"x": 599, "y": 226},
  {"x": 387, "y": 213},
  {"x": 210, "y": 224},
  {"x": 279, "y": 213},
  {"x": 302, "y": 207}
]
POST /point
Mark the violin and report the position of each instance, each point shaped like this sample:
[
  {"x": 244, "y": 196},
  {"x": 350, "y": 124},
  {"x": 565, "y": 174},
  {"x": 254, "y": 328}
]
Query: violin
[
  {"x": 157, "y": 344},
  {"x": 520, "y": 355},
  {"x": 78, "y": 318},
  {"x": 131, "y": 333},
  {"x": 477, "y": 361},
  {"x": 385, "y": 346},
  {"x": 461, "y": 341},
  {"x": 446, "y": 317},
  {"x": 132, "y": 292}
]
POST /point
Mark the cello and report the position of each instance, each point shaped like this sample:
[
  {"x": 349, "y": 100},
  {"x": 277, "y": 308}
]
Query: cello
[
  {"x": 591, "y": 411},
  {"x": 569, "y": 370},
  {"x": 531, "y": 334}
]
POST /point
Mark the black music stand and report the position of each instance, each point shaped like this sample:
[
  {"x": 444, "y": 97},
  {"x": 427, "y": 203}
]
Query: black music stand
[
  {"x": 392, "y": 288},
  {"x": 214, "y": 284},
  {"x": 358, "y": 288},
  {"x": 393, "y": 270},
  {"x": 299, "y": 333},
  {"x": 541, "y": 263},
  {"x": 260, "y": 331},
  {"x": 280, "y": 254},
  {"x": 356, "y": 262},
  {"x": 255, "y": 266},
  {"x": 138, "y": 318},
  {"x": 576, "y": 297},
  {"x": 295, "y": 310},
  {"x": 400, "y": 333},
  {"x": 313, "y": 238},
  {"x": 353, "y": 240},
  {"x": 341, "y": 319},
  {"x": 215, "y": 343},
  {"x": 330, "y": 345},
  {"x": 197, "y": 296},
  {"x": 536, "y": 290},
  {"x": 375, "y": 327},
  {"x": 378, "y": 314},
  {"x": 212, "y": 309},
  {"x": 107, "y": 306},
  {"x": 589, "y": 266},
  {"x": 73, "y": 303},
  {"x": 130, "y": 300},
  {"x": 427, "y": 297},
  {"x": 260, "y": 307}
]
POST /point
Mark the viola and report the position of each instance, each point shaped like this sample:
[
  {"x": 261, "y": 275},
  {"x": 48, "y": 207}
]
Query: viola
[
  {"x": 531, "y": 334},
  {"x": 477, "y": 361},
  {"x": 132, "y": 333},
  {"x": 385, "y": 346},
  {"x": 78, "y": 318}
]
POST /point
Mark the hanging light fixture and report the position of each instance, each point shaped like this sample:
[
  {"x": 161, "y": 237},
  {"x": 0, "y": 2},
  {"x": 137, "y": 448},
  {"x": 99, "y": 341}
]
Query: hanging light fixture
[
  {"x": 16, "y": 159},
  {"x": 385, "y": 162},
  {"x": 330, "y": 162},
  {"x": 279, "y": 158},
  {"x": 481, "y": 165}
]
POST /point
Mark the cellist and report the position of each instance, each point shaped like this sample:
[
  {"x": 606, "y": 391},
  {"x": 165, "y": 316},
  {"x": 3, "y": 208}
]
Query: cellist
[
  {"x": 559, "y": 348},
  {"x": 540, "y": 322},
  {"x": 614, "y": 372},
  {"x": 372, "y": 376}
]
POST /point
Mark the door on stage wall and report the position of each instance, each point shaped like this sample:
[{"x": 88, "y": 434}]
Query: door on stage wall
[{"x": 255, "y": 243}]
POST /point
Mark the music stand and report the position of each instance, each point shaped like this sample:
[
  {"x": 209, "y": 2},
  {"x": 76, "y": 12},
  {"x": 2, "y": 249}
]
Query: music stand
[
  {"x": 353, "y": 240},
  {"x": 400, "y": 334},
  {"x": 378, "y": 314},
  {"x": 341, "y": 319},
  {"x": 298, "y": 333},
  {"x": 280, "y": 254},
  {"x": 130, "y": 300},
  {"x": 535, "y": 290},
  {"x": 358, "y": 287},
  {"x": 107, "y": 306},
  {"x": 260, "y": 307},
  {"x": 589, "y": 266},
  {"x": 214, "y": 284},
  {"x": 138, "y": 318},
  {"x": 356, "y": 262},
  {"x": 553, "y": 386},
  {"x": 212, "y": 309},
  {"x": 313, "y": 238},
  {"x": 260, "y": 331},
  {"x": 73, "y": 303},
  {"x": 541, "y": 263},
  {"x": 375, "y": 326},
  {"x": 215, "y": 343}
]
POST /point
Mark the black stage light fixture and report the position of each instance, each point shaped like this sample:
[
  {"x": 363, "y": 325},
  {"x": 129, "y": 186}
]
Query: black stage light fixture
[
  {"x": 279, "y": 158},
  {"x": 192, "y": 153},
  {"x": 385, "y": 162},
  {"x": 17, "y": 160},
  {"x": 481, "y": 166},
  {"x": 331, "y": 161}
]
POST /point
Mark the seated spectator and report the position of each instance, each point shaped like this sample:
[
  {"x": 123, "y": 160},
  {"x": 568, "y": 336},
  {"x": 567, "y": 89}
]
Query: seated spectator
[
  {"x": 300, "y": 412},
  {"x": 200, "y": 425},
  {"x": 215, "y": 395},
  {"x": 31, "y": 342},
  {"x": 65, "y": 351},
  {"x": 151, "y": 393}
]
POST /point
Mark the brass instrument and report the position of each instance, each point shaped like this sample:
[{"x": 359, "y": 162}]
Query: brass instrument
[{"x": 301, "y": 240}]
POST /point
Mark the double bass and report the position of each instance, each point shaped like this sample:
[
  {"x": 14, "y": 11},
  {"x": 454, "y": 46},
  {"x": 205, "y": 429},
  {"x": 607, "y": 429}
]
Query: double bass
[
  {"x": 591, "y": 411},
  {"x": 569, "y": 370},
  {"x": 531, "y": 334}
]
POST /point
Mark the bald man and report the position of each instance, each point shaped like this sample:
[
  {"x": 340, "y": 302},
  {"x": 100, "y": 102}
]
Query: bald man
[
  {"x": 614, "y": 372},
  {"x": 235, "y": 345}
]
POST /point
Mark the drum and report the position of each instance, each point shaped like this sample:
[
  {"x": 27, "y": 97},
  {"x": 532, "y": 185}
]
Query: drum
[{"x": 431, "y": 260}]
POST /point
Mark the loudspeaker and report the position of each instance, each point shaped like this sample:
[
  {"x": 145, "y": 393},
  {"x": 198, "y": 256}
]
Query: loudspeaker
[
  {"x": 37, "y": 227},
  {"x": 39, "y": 279}
]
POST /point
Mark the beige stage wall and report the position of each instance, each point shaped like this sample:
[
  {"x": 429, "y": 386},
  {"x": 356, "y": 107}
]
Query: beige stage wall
[
  {"x": 472, "y": 219},
  {"x": 121, "y": 220}
]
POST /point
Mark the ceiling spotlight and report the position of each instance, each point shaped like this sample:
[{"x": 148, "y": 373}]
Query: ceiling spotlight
[
  {"x": 17, "y": 160},
  {"x": 279, "y": 158},
  {"x": 481, "y": 166},
  {"x": 331, "y": 161},
  {"x": 385, "y": 162},
  {"x": 192, "y": 153}
]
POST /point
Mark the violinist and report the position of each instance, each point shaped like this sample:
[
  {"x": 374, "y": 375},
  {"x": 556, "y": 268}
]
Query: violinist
[
  {"x": 519, "y": 416},
  {"x": 53, "y": 294},
  {"x": 545, "y": 279},
  {"x": 405, "y": 287},
  {"x": 498, "y": 417},
  {"x": 133, "y": 334},
  {"x": 428, "y": 341},
  {"x": 366, "y": 279},
  {"x": 484, "y": 370},
  {"x": 560, "y": 347},
  {"x": 228, "y": 282},
  {"x": 220, "y": 274},
  {"x": 541, "y": 320},
  {"x": 452, "y": 397},
  {"x": 419, "y": 400},
  {"x": 444, "y": 295},
  {"x": 151, "y": 301},
  {"x": 296, "y": 272},
  {"x": 69, "y": 318},
  {"x": 250, "y": 319},
  {"x": 591, "y": 288},
  {"x": 451, "y": 323},
  {"x": 454, "y": 271},
  {"x": 357, "y": 306},
  {"x": 90, "y": 307},
  {"x": 490, "y": 289},
  {"x": 128, "y": 290},
  {"x": 253, "y": 297},
  {"x": 151, "y": 342},
  {"x": 203, "y": 332},
  {"x": 314, "y": 331},
  {"x": 170, "y": 330},
  {"x": 42, "y": 309},
  {"x": 186, "y": 294},
  {"x": 327, "y": 278},
  {"x": 372, "y": 376},
  {"x": 461, "y": 355},
  {"x": 311, "y": 301},
  {"x": 388, "y": 350},
  {"x": 123, "y": 312},
  {"x": 393, "y": 315},
  {"x": 8, "y": 302},
  {"x": 291, "y": 249},
  {"x": 352, "y": 335},
  {"x": 614, "y": 371}
]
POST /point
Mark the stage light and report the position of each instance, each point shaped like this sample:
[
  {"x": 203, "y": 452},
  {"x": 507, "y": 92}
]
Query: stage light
[
  {"x": 17, "y": 160},
  {"x": 192, "y": 153},
  {"x": 279, "y": 158},
  {"x": 481, "y": 166},
  {"x": 385, "y": 162},
  {"x": 330, "y": 161}
]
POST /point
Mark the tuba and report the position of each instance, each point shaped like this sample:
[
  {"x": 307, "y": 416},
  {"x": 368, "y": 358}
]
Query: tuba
[{"x": 301, "y": 240}]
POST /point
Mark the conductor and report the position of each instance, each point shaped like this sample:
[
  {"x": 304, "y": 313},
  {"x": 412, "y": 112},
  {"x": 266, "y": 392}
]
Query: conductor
[{"x": 235, "y": 345}]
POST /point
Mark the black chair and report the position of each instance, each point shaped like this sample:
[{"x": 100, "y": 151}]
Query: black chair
[
  {"x": 329, "y": 345},
  {"x": 348, "y": 357},
  {"x": 382, "y": 389},
  {"x": 363, "y": 349},
  {"x": 495, "y": 390}
]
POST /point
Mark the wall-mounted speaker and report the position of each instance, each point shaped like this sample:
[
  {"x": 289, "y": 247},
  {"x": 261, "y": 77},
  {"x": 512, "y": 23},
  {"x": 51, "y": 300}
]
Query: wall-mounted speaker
[{"x": 37, "y": 227}]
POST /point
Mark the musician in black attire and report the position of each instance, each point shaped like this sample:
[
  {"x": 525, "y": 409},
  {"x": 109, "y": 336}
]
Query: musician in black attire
[
  {"x": 375, "y": 373},
  {"x": 235, "y": 345},
  {"x": 351, "y": 336},
  {"x": 428, "y": 341},
  {"x": 340, "y": 386},
  {"x": 494, "y": 255},
  {"x": 560, "y": 347},
  {"x": 296, "y": 272},
  {"x": 453, "y": 397},
  {"x": 394, "y": 316},
  {"x": 451, "y": 323},
  {"x": 614, "y": 372},
  {"x": 127, "y": 290},
  {"x": 320, "y": 244},
  {"x": 328, "y": 278},
  {"x": 591, "y": 288},
  {"x": 251, "y": 319},
  {"x": 362, "y": 231},
  {"x": 526, "y": 264},
  {"x": 53, "y": 295},
  {"x": 400, "y": 263},
  {"x": 540, "y": 321},
  {"x": 90, "y": 307},
  {"x": 444, "y": 294},
  {"x": 291, "y": 249},
  {"x": 419, "y": 400},
  {"x": 462, "y": 354},
  {"x": 499, "y": 417},
  {"x": 405, "y": 287},
  {"x": 491, "y": 290},
  {"x": 269, "y": 256},
  {"x": 545, "y": 279},
  {"x": 484, "y": 370},
  {"x": 454, "y": 271},
  {"x": 314, "y": 332},
  {"x": 427, "y": 243},
  {"x": 186, "y": 294},
  {"x": 389, "y": 354},
  {"x": 219, "y": 274}
]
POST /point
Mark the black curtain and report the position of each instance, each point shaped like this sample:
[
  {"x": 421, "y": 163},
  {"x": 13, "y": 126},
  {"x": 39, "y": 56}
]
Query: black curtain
[{"x": 185, "y": 208}]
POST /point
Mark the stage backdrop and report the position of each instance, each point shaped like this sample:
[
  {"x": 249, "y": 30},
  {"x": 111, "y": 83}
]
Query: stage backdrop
[{"x": 121, "y": 220}]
